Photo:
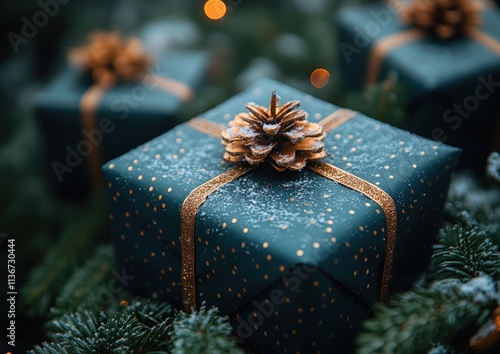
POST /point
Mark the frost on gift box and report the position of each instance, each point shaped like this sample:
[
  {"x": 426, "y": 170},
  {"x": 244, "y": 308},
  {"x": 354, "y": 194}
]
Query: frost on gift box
[
  {"x": 297, "y": 259},
  {"x": 447, "y": 57},
  {"x": 114, "y": 97}
]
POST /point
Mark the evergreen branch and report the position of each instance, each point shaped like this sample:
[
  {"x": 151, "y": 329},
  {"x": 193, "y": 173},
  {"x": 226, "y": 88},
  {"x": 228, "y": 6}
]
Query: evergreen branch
[
  {"x": 50, "y": 348},
  {"x": 87, "y": 285},
  {"x": 142, "y": 326},
  {"x": 202, "y": 332},
  {"x": 157, "y": 317},
  {"x": 493, "y": 167},
  {"x": 413, "y": 321},
  {"x": 120, "y": 334},
  {"x": 484, "y": 217},
  {"x": 77, "y": 239},
  {"x": 465, "y": 253},
  {"x": 157, "y": 338},
  {"x": 76, "y": 331},
  {"x": 150, "y": 312},
  {"x": 472, "y": 205}
]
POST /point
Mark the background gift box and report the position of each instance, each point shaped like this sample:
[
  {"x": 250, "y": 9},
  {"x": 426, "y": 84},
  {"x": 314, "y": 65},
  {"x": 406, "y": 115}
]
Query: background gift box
[
  {"x": 126, "y": 114},
  {"x": 451, "y": 84},
  {"x": 297, "y": 259}
]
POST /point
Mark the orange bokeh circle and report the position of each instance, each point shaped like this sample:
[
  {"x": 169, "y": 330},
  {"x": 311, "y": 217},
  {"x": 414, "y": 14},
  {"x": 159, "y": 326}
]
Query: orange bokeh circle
[
  {"x": 215, "y": 9},
  {"x": 320, "y": 78}
]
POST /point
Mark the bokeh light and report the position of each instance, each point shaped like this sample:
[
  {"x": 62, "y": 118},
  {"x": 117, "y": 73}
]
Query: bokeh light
[
  {"x": 215, "y": 9},
  {"x": 320, "y": 78}
]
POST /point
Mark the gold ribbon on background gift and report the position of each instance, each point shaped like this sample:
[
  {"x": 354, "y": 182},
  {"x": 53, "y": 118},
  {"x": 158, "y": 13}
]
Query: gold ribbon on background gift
[
  {"x": 110, "y": 58},
  {"x": 198, "y": 196},
  {"x": 456, "y": 17}
]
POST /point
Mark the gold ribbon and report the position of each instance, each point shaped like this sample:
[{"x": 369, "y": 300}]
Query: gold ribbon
[
  {"x": 88, "y": 106},
  {"x": 189, "y": 209},
  {"x": 198, "y": 196},
  {"x": 391, "y": 42},
  {"x": 110, "y": 58},
  {"x": 384, "y": 46},
  {"x": 380, "y": 197}
]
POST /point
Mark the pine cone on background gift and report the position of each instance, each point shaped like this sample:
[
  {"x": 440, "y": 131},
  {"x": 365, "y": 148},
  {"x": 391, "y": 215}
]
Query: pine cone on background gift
[
  {"x": 445, "y": 18},
  {"x": 279, "y": 135},
  {"x": 109, "y": 57}
]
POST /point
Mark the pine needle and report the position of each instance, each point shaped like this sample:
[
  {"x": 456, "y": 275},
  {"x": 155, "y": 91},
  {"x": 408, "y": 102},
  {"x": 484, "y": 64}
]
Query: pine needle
[
  {"x": 202, "y": 332},
  {"x": 465, "y": 253}
]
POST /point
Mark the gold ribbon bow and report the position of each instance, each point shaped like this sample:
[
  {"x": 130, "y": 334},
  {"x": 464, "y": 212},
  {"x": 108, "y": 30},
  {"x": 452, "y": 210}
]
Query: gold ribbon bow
[
  {"x": 111, "y": 58},
  {"x": 198, "y": 196},
  {"x": 443, "y": 18}
]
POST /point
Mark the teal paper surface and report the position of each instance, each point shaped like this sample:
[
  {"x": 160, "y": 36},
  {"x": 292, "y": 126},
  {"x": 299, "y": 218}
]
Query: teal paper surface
[
  {"x": 137, "y": 111},
  {"x": 293, "y": 258}
]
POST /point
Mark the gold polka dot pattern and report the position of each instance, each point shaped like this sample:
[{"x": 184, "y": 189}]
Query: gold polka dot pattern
[{"x": 294, "y": 260}]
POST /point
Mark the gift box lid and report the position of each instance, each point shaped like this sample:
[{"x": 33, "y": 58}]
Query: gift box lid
[
  {"x": 269, "y": 222},
  {"x": 425, "y": 64},
  {"x": 63, "y": 94}
]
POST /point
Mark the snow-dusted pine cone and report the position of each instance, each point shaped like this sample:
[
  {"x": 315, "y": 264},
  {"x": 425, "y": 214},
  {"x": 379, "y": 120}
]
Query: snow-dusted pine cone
[
  {"x": 279, "y": 135},
  {"x": 445, "y": 18}
]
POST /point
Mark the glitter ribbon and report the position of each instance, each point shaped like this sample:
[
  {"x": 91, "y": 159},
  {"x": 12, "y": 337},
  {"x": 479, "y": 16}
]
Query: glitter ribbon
[
  {"x": 393, "y": 41},
  {"x": 198, "y": 196},
  {"x": 110, "y": 59}
]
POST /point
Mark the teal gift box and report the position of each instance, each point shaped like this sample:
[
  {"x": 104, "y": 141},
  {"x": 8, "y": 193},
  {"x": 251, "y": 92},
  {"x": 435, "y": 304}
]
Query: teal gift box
[
  {"x": 452, "y": 86},
  {"x": 128, "y": 114},
  {"x": 296, "y": 259}
]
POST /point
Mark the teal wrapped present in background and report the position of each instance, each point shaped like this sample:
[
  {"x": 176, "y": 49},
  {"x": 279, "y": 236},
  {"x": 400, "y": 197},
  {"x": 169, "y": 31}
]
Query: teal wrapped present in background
[
  {"x": 297, "y": 259},
  {"x": 450, "y": 71},
  {"x": 116, "y": 98}
]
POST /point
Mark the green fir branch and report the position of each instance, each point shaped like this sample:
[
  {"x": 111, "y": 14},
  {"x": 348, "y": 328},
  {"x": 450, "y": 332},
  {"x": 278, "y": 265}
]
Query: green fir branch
[
  {"x": 89, "y": 287},
  {"x": 50, "y": 348},
  {"x": 157, "y": 338},
  {"x": 465, "y": 253},
  {"x": 413, "y": 322},
  {"x": 157, "y": 317},
  {"x": 202, "y": 332},
  {"x": 150, "y": 313},
  {"x": 76, "y": 331},
  {"x": 471, "y": 204},
  {"x": 120, "y": 334},
  {"x": 142, "y": 326}
]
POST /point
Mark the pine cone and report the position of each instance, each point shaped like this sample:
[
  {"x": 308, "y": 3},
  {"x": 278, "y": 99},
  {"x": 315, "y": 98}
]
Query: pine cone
[
  {"x": 132, "y": 60},
  {"x": 445, "y": 18},
  {"x": 109, "y": 57},
  {"x": 280, "y": 135}
]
